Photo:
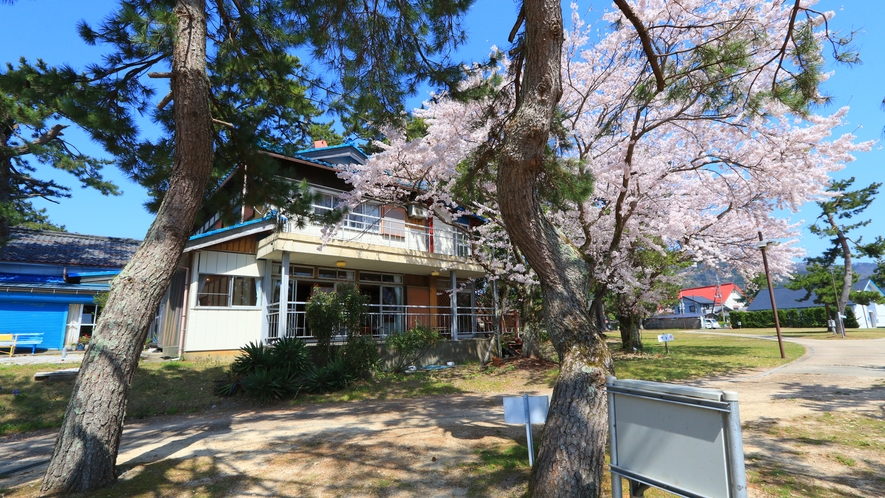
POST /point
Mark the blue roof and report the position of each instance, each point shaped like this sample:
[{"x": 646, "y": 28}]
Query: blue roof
[
  {"x": 268, "y": 216},
  {"x": 331, "y": 147},
  {"x": 867, "y": 284},
  {"x": 47, "y": 282}
]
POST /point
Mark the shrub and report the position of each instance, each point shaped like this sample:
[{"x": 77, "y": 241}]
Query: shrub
[
  {"x": 324, "y": 318},
  {"x": 410, "y": 346},
  {"x": 354, "y": 307},
  {"x": 252, "y": 357},
  {"x": 266, "y": 386},
  {"x": 360, "y": 355}
]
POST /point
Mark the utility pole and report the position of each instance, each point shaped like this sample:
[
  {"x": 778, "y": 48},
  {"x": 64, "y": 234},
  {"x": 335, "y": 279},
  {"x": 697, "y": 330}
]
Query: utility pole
[{"x": 763, "y": 245}]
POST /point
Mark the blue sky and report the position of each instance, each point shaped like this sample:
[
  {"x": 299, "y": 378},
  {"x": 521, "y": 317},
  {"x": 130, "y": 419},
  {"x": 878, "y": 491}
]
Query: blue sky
[{"x": 47, "y": 29}]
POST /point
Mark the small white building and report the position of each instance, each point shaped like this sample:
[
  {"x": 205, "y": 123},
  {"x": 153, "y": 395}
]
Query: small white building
[{"x": 872, "y": 316}]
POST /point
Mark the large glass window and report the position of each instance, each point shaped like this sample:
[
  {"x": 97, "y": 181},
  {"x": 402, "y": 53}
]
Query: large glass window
[{"x": 227, "y": 291}]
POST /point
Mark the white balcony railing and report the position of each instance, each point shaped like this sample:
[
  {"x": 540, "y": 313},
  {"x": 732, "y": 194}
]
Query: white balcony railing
[
  {"x": 382, "y": 320},
  {"x": 391, "y": 232}
]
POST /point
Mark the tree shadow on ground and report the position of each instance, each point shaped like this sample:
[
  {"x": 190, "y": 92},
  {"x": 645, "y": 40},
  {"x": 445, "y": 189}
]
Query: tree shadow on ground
[
  {"x": 809, "y": 457},
  {"x": 826, "y": 398}
]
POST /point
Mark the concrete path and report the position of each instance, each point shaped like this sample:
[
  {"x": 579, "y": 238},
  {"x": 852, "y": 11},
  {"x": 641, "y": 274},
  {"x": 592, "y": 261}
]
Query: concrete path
[{"x": 838, "y": 374}]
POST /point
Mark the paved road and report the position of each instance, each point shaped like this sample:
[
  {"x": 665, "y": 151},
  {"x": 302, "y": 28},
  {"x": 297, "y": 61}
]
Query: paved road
[
  {"x": 818, "y": 381},
  {"x": 832, "y": 375}
]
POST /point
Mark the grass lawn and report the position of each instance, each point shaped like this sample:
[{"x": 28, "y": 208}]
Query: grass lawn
[
  {"x": 694, "y": 355},
  {"x": 167, "y": 388},
  {"x": 813, "y": 333}
]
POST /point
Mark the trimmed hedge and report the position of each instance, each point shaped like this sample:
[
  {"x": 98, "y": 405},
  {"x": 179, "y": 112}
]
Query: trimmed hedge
[{"x": 794, "y": 318}]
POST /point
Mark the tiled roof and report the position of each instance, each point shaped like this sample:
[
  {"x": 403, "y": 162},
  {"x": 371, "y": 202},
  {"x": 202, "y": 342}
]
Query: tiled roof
[
  {"x": 60, "y": 248},
  {"x": 784, "y": 298}
]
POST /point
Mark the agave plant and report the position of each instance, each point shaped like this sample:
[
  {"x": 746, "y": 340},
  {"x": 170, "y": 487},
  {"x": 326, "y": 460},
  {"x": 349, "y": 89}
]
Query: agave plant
[
  {"x": 326, "y": 379},
  {"x": 291, "y": 354},
  {"x": 266, "y": 386}
]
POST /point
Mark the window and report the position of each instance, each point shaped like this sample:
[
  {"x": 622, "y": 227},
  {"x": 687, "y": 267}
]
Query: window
[
  {"x": 325, "y": 203},
  {"x": 364, "y": 217},
  {"x": 394, "y": 222},
  {"x": 294, "y": 271},
  {"x": 380, "y": 277},
  {"x": 334, "y": 274},
  {"x": 226, "y": 291}
]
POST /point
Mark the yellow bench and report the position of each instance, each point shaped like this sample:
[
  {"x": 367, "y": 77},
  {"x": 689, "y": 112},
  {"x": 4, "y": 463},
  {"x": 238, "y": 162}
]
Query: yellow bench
[{"x": 13, "y": 341}]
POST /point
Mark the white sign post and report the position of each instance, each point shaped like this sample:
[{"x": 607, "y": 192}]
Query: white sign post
[
  {"x": 526, "y": 410},
  {"x": 666, "y": 338}
]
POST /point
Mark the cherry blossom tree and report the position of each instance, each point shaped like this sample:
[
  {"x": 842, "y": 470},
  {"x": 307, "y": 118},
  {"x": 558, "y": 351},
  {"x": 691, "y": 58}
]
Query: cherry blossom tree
[{"x": 692, "y": 122}]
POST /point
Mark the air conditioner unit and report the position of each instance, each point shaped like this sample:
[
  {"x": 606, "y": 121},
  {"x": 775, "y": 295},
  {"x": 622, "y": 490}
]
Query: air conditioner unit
[{"x": 416, "y": 211}]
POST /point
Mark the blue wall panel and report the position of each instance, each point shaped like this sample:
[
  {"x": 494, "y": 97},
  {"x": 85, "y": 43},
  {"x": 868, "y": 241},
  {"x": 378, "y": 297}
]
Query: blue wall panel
[{"x": 49, "y": 318}]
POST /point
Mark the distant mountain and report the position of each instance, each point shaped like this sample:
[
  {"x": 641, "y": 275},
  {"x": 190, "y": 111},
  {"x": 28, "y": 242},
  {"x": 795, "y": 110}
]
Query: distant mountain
[
  {"x": 703, "y": 275},
  {"x": 865, "y": 270}
]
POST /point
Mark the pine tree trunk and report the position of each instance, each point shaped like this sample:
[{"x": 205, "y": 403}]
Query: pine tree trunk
[
  {"x": 86, "y": 450},
  {"x": 572, "y": 450}
]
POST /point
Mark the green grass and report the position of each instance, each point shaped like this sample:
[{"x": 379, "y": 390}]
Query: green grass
[
  {"x": 166, "y": 388},
  {"x": 694, "y": 355}
]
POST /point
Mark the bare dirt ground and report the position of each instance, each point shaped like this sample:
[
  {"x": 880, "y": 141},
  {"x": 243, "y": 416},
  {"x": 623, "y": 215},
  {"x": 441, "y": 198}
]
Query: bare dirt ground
[{"x": 433, "y": 446}]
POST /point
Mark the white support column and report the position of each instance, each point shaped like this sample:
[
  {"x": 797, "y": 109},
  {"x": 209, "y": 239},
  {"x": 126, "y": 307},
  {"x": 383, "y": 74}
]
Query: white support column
[
  {"x": 283, "y": 317},
  {"x": 453, "y": 301},
  {"x": 265, "y": 297}
]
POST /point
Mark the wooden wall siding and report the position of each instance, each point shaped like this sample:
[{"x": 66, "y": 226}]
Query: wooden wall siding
[
  {"x": 244, "y": 245},
  {"x": 228, "y": 263},
  {"x": 416, "y": 280}
]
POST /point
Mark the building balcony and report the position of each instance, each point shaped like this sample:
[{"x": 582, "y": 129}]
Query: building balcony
[{"x": 378, "y": 244}]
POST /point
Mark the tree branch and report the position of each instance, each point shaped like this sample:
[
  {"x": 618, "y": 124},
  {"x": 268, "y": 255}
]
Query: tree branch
[{"x": 646, "y": 41}]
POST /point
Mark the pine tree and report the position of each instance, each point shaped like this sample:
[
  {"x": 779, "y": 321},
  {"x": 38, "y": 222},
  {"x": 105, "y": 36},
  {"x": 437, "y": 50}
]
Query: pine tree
[
  {"x": 233, "y": 88},
  {"x": 37, "y": 104},
  {"x": 833, "y": 223}
]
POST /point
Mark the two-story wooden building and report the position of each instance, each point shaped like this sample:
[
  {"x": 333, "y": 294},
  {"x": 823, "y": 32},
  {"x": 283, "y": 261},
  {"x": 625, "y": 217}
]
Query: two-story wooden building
[{"x": 414, "y": 265}]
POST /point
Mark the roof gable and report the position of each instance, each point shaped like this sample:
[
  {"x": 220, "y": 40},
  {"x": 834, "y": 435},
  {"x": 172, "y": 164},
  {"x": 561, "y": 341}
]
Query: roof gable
[{"x": 709, "y": 291}]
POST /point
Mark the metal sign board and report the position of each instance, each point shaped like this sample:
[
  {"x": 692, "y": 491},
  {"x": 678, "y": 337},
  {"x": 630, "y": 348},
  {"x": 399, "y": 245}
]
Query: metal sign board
[
  {"x": 665, "y": 337},
  {"x": 526, "y": 410},
  {"x": 514, "y": 410},
  {"x": 681, "y": 439}
]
